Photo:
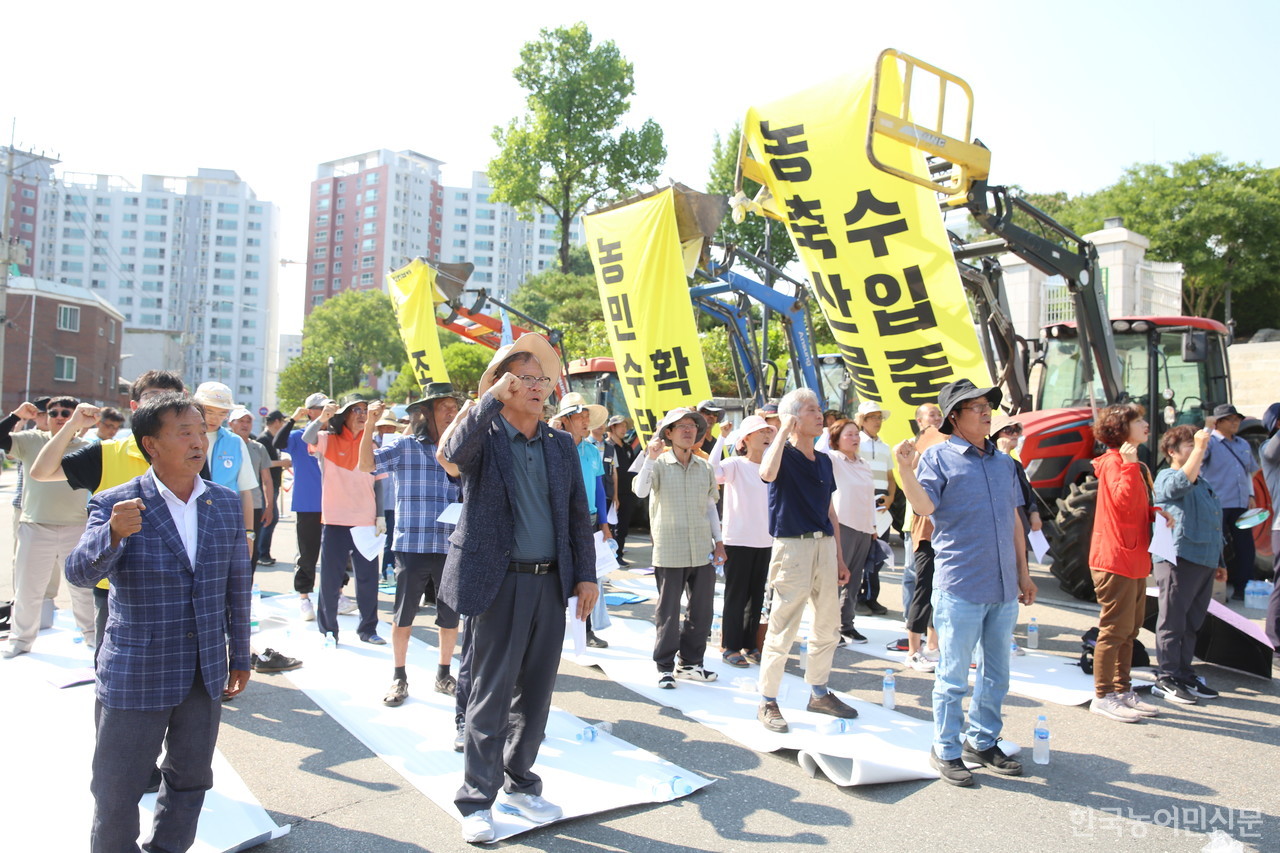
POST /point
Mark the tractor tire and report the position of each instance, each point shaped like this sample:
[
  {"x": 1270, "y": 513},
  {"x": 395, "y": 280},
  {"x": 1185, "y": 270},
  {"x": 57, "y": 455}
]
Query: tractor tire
[{"x": 1070, "y": 535}]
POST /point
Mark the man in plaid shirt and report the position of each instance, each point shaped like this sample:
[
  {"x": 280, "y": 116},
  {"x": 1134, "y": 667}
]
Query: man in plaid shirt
[{"x": 423, "y": 490}]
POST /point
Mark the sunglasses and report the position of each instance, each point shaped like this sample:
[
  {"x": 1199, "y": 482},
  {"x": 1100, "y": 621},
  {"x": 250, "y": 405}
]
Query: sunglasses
[{"x": 60, "y": 413}]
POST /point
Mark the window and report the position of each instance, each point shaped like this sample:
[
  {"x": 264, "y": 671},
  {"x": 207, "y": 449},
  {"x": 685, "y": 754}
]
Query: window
[
  {"x": 228, "y": 207},
  {"x": 317, "y": 283},
  {"x": 318, "y": 267},
  {"x": 73, "y": 250},
  {"x": 367, "y": 262},
  {"x": 485, "y": 213},
  {"x": 322, "y": 236},
  {"x": 459, "y": 211},
  {"x": 221, "y": 257},
  {"x": 484, "y": 229},
  {"x": 153, "y": 286},
  {"x": 366, "y": 279},
  {"x": 253, "y": 226},
  {"x": 337, "y": 266},
  {"x": 155, "y": 219},
  {"x": 130, "y": 201},
  {"x": 150, "y": 319},
  {"x": 317, "y": 300},
  {"x": 253, "y": 259},
  {"x": 322, "y": 251},
  {"x": 158, "y": 203},
  {"x": 459, "y": 226},
  {"x": 322, "y": 189},
  {"x": 342, "y": 203},
  {"x": 228, "y": 225},
  {"x": 460, "y": 244},
  {"x": 125, "y": 300},
  {"x": 322, "y": 220},
  {"x": 219, "y": 340},
  {"x": 224, "y": 274},
  {"x": 484, "y": 245},
  {"x": 250, "y": 273},
  {"x": 337, "y": 251},
  {"x": 152, "y": 302},
  {"x": 227, "y": 241},
  {"x": 371, "y": 195},
  {"x": 64, "y": 368},
  {"x": 72, "y": 266},
  {"x": 322, "y": 204},
  {"x": 111, "y": 331},
  {"x": 153, "y": 269},
  {"x": 338, "y": 217},
  {"x": 68, "y": 318},
  {"x": 369, "y": 228},
  {"x": 484, "y": 261},
  {"x": 369, "y": 244},
  {"x": 249, "y": 324},
  {"x": 370, "y": 211},
  {"x": 461, "y": 196},
  {"x": 371, "y": 178},
  {"x": 130, "y": 217},
  {"x": 249, "y": 291},
  {"x": 256, "y": 208},
  {"x": 248, "y": 340},
  {"x": 153, "y": 253}
]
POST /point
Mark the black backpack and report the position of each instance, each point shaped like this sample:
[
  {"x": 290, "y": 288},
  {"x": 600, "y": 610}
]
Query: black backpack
[{"x": 1090, "y": 640}]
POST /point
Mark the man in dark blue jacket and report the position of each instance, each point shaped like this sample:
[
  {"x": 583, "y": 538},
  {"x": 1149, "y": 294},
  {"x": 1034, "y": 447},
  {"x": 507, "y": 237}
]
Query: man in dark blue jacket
[
  {"x": 522, "y": 547},
  {"x": 174, "y": 549}
]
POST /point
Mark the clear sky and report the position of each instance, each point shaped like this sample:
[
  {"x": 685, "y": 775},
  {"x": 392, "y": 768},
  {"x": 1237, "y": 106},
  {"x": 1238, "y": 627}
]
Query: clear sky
[{"x": 1067, "y": 94}]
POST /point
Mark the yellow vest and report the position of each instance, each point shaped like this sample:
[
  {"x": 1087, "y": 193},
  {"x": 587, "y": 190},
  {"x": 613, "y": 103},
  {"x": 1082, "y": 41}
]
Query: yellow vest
[{"x": 122, "y": 460}]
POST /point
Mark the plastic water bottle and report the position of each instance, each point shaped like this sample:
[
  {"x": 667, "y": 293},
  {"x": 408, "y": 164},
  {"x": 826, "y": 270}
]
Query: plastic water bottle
[
  {"x": 837, "y": 726},
  {"x": 613, "y": 544},
  {"x": 664, "y": 788},
  {"x": 591, "y": 733},
  {"x": 1033, "y": 634},
  {"x": 1040, "y": 751},
  {"x": 1014, "y": 650},
  {"x": 804, "y": 653},
  {"x": 890, "y": 689},
  {"x": 330, "y": 642},
  {"x": 1257, "y": 595},
  {"x": 715, "y": 626},
  {"x": 255, "y": 609}
]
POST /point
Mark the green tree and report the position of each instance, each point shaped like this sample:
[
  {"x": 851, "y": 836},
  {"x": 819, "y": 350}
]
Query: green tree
[
  {"x": 755, "y": 232},
  {"x": 405, "y": 388},
  {"x": 568, "y": 302},
  {"x": 566, "y": 150},
  {"x": 466, "y": 363},
  {"x": 1220, "y": 220},
  {"x": 358, "y": 330}
]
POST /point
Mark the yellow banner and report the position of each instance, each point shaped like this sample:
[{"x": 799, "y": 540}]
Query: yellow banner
[
  {"x": 875, "y": 245},
  {"x": 413, "y": 291},
  {"x": 645, "y": 296}
]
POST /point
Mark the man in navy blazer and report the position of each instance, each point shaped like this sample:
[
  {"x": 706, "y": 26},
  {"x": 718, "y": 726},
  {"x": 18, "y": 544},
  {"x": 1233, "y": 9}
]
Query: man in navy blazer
[
  {"x": 522, "y": 546},
  {"x": 173, "y": 547}
]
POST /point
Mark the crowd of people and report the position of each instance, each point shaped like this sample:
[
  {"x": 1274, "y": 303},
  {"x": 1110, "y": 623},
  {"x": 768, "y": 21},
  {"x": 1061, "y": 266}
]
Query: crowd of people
[{"x": 494, "y": 509}]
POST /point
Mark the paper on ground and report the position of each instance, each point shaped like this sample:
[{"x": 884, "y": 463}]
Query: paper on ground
[
  {"x": 416, "y": 739},
  {"x": 882, "y": 746},
  {"x": 368, "y": 541},
  {"x": 52, "y": 739}
]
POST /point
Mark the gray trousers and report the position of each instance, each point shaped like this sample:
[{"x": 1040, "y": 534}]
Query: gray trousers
[
  {"x": 1185, "y": 591},
  {"x": 687, "y": 636},
  {"x": 515, "y": 653},
  {"x": 854, "y": 547},
  {"x": 128, "y": 743},
  {"x": 1273, "y": 604}
]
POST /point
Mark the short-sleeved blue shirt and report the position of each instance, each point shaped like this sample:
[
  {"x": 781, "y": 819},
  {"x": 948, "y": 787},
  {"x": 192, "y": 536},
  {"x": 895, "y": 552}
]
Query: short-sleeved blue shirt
[
  {"x": 800, "y": 496},
  {"x": 306, "y": 475},
  {"x": 976, "y": 496},
  {"x": 1228, "y": 467},
  {"x": 422, "y": 491}
]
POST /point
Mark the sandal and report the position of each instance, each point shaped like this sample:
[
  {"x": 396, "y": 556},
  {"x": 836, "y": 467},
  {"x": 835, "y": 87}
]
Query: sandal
[
  {"x": 735, "y": 659},
  {"x": 753, "y": 656}
]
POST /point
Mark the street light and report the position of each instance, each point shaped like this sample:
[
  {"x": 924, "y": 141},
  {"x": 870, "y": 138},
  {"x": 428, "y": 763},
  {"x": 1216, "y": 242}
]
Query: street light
[{"x": 330, "y": 377}]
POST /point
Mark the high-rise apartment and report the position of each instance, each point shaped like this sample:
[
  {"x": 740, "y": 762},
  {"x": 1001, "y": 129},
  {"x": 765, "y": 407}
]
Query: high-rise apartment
[
  {"x": 370, "y": 213},
  {"x": 190, "y": 262}
]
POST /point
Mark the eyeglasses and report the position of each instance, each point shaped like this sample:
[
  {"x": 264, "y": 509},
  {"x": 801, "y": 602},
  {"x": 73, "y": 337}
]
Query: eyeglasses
[
  {"x": 978, "y": 408},
  {"x": 60, "y": 413},
  {"x": 535, "y": 381}
]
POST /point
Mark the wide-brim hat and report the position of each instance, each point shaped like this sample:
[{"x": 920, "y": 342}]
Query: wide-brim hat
[
  {"x": 215, "y": 394},
  {"x": 434, "y": 391},
  {"x": 573, "y": 402},
  {"x": 674, "y": 417},
  {"x": 750, "y": 424},
  {"x": 351, "y": 400},
  {"x": 530, "y": 342},
  {"x": 955, "y": 393},
  {"x": 388, "y": 419},
  {"x": 1002, "y": 421}
]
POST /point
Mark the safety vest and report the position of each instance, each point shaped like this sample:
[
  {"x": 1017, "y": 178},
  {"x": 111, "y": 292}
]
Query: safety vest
[{"x": 225, "y": 458}]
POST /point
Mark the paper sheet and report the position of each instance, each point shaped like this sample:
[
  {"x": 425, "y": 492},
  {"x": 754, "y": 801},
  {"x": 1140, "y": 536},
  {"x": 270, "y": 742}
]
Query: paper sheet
[
  {"x": 452, "y": 514},
  {"x": 1039, "y": 544},
  {"x": 1162, "y": 541},
  {"x": 576, "y": 628},
  {"x": 612, "y": 517},
  {"x": 368, "y": 541},
  {"x": 606, "y": 560}
]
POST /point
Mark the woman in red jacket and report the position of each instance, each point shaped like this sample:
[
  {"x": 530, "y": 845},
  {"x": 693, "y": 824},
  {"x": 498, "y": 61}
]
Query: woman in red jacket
[{"x": 1118, "y": 558}]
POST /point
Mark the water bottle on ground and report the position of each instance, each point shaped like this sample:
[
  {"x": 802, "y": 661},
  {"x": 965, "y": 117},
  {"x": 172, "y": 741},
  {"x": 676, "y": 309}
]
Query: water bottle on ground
[
  {"x": 255, "y": 609},
  {"x": 591, "y": 733},
  {"x": 834, "y": 727},
  {"x": 890, "y": 688},
  {"x": 664, "y": 788},
  {"x": 804, "y": 653},
  {"x": 1040, "y": 750},
  {"x": 1033, "y": 634},
  {"x": 330, "y": 642}
]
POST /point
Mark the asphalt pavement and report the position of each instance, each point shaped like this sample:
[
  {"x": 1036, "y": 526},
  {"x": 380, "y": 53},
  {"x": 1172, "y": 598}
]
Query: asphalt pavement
[{"x": 1161, "y": 785}]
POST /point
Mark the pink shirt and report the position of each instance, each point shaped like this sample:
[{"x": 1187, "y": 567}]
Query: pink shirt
[
  {"x": 855, "y": 497},
  {"x": 346, "y": 498},
  {"x": 746, "y": 503}
]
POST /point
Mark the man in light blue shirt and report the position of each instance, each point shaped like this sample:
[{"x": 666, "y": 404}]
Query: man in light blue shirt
[
  {"x": 1228, "y": 468},
  {"x": 972, "y": 492}
]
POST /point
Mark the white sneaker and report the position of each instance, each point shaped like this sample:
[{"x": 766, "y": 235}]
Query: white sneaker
[
  {"x": 695, "y": 673},
  {"x": 1112, "y": 706},
  {"x": 530, "y": 807},
  {"x": 932, "y": 654},
  {"x": 1133, "y": 701},
  {"x": 920, "y": 663},
  {"x": 346, "y": 605},
  {"x": 308, "y": 610},
  {"x": 477, "y": 827}
]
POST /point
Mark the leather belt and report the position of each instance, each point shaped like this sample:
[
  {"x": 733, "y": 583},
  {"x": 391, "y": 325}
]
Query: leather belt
[
  {"x": 531, "y": 568},
  {"x": 812, "y": 534}
]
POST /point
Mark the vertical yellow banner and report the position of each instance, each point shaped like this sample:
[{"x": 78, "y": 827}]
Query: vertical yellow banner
[
  {"x": 639, "y": 266},
  {"x": 875, "y": 245},
  {"x": 413, "y": 291}
]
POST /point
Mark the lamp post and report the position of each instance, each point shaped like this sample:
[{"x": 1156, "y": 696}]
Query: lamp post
[{"x": 330, "y": 377}]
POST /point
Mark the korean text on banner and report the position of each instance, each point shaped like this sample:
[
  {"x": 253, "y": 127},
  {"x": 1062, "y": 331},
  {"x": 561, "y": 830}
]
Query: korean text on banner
[
  {"x": 875, "y": 245},
  {"x": 413, "y": 291},
  {"x": 645, "y": 296}
]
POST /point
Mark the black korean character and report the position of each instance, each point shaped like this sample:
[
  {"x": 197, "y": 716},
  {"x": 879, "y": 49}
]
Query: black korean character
[
  {"x": 645, "y": 421},
  {"x": 885, "y": 290},
  {"x": 920, "y": 373},
  {"x": 786, "y": 167},
  {"x": 633, "y": 374},
  {"x": 610, "y": 261},
  {"x": 421, "y": 370},
  {"x": 837, "y": 296},
  {"x": 860, "y": 373},
  {"x": 671, "y": 370},
  {"x": 874, "y": 234},
  {"x": 812, "y": 234},
  {"x": 620, "y": 315}
]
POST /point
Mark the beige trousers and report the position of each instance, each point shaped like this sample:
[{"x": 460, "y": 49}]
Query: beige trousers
[
  {"x": 38, "y": 567},
  {"x": 801, "y": 571}
]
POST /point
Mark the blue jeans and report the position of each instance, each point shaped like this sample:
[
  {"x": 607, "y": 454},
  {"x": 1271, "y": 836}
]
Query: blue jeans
[{"x": 963, "y": 629}]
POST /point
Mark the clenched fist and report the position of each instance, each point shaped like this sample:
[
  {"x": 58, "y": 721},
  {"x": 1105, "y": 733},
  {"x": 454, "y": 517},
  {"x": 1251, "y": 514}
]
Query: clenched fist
[{"x": 126, "y": 520}]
